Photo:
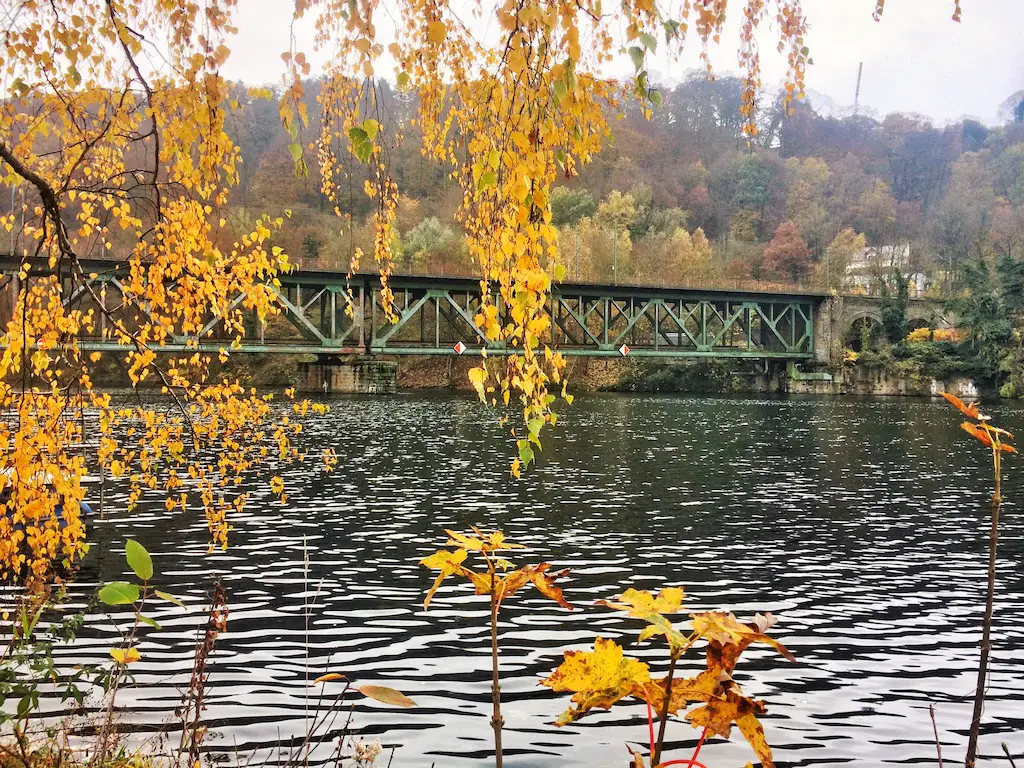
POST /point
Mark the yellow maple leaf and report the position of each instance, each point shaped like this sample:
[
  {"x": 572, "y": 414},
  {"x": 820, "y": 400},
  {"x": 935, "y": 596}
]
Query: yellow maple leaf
[
  {"x": 641, "y": 604},
  {"x": 449, "y": 563},
  {"x": 597, "y": 678}
]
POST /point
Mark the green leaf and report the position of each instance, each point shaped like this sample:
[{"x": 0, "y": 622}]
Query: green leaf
[
  {"x": 559, "y": 272},
  {"x": 403, "y": 80},
  {"x": 488, "y": 179},
  {"x": 119, "y": 593},
  {"x": 525, "y": 453},
  {"x": 370, "y": 128},
  {"x": 139, "y": 559},
  {"x": 649, "y": 41},
  {"x": 296, "y": 149},
  {"x": 656, "y": 98},
  {"x": 151, "y": 622},
  {"x": 637, "y": 55},
  {"x": 357, "y": 134},
  {"x": 559, "y": 89},
  {"x": 535, "y": 426},
  {"x": 168, "y": 597}
]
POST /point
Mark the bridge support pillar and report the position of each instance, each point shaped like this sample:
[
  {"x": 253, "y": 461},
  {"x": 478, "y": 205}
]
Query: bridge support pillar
[
  {"x": 329, "y": 376},
  {"x": 828, "y": 333}
]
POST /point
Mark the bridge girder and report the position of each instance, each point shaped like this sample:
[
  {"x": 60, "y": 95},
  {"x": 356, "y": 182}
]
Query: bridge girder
[{"x": 327, "y": 313}]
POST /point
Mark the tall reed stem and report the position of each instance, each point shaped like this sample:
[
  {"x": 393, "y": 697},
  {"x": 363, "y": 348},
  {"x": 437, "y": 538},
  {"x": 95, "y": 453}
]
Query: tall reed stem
[
  {"x": 496, "y": 720},
  {"x": 986, "y": 630}
]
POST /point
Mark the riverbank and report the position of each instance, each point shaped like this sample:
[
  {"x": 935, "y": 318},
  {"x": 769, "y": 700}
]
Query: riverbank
[
  {"x": 867, "y": 376},
  {"x": 876, "y": 373}
]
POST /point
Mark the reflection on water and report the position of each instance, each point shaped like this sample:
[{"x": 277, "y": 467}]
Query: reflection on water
[{"x": 861, "y": 524}]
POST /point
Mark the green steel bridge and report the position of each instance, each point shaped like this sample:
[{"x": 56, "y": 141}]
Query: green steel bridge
[{"x": 435, "y": 317}]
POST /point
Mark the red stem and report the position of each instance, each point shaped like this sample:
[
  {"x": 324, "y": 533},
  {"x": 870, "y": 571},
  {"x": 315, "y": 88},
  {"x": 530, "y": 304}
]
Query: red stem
[
  {"x": 691, "y": 761},
  {"x": 650, "y": 725},
  {"x": 703, "y": 735}
]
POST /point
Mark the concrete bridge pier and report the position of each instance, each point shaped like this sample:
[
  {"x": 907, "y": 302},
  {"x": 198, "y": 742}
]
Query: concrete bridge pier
[{"x": 331, "y": 375}]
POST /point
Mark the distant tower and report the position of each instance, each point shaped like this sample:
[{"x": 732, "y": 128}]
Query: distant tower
[{"x": 856, "y": 94}]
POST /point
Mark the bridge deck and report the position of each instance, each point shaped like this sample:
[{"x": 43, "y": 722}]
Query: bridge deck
[{"x": 328, "y": 313}]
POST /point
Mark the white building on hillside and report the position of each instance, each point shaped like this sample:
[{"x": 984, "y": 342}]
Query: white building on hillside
[{"x": 876, "y": 263}]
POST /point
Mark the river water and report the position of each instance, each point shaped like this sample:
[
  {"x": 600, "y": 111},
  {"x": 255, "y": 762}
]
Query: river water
[{"x": 862, "y": 524}]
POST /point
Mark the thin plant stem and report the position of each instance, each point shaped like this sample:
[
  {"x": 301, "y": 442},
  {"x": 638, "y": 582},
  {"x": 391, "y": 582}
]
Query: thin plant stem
[
  {"x": 496, "y": 720},
  {"x": 1006, "y": 751},
  {"x": 659, "y": 744},
  {"x": 935, "y": 730},
  {"x": 986, "y": 630},
  {"x": 305, "y": 615}
]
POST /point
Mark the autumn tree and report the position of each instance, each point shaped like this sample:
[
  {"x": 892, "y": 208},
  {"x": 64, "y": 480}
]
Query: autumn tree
[
  {"x": 426, "y": 241},
  {"x": 807, "y": 200},
  {"x": 961, "y": 219},
  {"x": 787, "y": 257},
  {"x": 840, "y": 254},
  {"x": 570, "y": 204}
]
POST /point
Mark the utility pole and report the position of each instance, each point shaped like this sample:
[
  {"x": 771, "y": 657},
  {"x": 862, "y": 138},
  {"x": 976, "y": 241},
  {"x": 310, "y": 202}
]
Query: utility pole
[
  {"x": 856, "y": 93},
  {"x": 577, "y": 251},
  {"x": 615, "y": 262}
]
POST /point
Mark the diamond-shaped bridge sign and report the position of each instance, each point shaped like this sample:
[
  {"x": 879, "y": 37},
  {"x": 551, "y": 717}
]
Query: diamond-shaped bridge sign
[
  {"x": 623, "y": 350},
  {"x": 460, "y": 348}
]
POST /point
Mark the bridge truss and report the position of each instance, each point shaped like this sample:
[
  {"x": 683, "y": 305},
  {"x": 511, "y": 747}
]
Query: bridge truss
[{"x": 435, "y": 316}]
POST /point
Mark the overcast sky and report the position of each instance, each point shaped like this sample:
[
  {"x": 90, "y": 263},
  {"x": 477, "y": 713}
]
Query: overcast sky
[{"x": 915, "y": 60}]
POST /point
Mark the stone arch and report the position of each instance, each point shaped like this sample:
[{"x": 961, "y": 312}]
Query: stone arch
[
  {"x": 863, "y": 326},
  {"x": 928, "y": 314}
]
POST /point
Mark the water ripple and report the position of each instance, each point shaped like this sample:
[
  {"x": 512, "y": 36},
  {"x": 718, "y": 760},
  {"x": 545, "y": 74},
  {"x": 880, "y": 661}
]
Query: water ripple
[{"x": 862, "y": 524}]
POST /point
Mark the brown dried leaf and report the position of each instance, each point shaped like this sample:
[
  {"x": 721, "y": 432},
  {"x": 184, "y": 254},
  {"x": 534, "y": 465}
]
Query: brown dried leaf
[
  {"x": 718, "y": 715},
  {"x": 704, "y": 687}
]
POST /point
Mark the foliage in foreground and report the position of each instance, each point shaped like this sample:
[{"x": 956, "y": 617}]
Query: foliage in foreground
[
  {"x": 998, "y": 441},
  {"x": 711, "y": 700},
  {"x": 90, "y": 736}
]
